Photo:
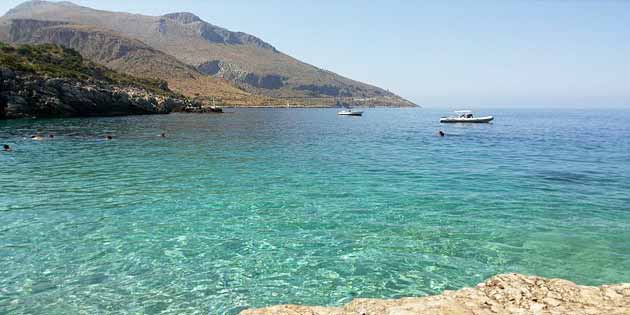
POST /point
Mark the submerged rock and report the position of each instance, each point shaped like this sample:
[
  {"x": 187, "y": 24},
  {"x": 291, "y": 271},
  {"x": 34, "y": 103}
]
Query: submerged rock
[{"x": 502, "y": 294}]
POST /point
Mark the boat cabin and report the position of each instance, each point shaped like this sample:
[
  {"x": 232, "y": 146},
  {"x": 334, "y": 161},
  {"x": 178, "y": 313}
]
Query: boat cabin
[{"x": 464, "y": 113}]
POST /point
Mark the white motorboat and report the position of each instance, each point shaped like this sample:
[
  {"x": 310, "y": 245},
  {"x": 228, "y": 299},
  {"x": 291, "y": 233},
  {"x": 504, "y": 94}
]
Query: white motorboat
[
  {"x": 350, "y": 112},
  {"x": 466, "y": 116}
]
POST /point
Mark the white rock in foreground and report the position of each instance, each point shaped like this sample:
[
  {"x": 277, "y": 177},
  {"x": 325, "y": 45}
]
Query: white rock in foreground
[{"x": 502, "y": 294}]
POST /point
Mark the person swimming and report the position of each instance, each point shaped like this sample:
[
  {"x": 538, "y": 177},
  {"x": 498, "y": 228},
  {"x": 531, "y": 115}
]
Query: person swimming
[
  {"x": 163, "y": 135},
  {"x": 51, "y": 136},
  {"x": 109, "y": 137},
  {"x": 6, "y": 148},
  {"x": 441, "y": 133},
  {"x": 37, "y": 137}
]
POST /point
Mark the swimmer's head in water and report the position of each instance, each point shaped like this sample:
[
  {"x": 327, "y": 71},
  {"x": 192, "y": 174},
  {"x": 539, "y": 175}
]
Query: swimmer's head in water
[
  {"x": 441, "y": 133},
  {"x": 109, "y": 137},
  {"x": 51, "y": 136},
  {"x": 163, "y": 135},
  {"x": 6, "y": 147}
]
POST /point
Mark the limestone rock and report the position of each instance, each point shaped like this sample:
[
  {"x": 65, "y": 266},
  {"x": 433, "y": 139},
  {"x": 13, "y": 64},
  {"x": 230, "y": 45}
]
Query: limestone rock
[
  {"x": 25, "y": 95},
  {"x": 512, "y": 294}
]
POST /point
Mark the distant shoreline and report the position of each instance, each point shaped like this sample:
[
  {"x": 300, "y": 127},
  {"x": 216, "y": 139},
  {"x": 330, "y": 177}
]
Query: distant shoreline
[
  {"x": 319, "y": 106},
  {"x": 193, "y": 113}
]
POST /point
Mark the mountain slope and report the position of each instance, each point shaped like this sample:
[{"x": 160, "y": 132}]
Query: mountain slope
[
  {"x": 126, "y": 55},
  {"x": 247, "y": 61}
]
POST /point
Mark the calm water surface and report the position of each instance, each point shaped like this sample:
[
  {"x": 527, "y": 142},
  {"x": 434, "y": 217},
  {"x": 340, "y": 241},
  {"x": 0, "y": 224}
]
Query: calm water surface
[{"x": 260, "y": 207}]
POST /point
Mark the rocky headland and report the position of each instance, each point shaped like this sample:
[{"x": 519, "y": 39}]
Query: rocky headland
[
  {"x": 52, "y": 81},
  {"x": 512, "y": 294}
]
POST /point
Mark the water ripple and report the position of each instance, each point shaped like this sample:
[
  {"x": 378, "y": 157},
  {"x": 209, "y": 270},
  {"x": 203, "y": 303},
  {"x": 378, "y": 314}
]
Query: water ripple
[{"x": 300, "y": 206}]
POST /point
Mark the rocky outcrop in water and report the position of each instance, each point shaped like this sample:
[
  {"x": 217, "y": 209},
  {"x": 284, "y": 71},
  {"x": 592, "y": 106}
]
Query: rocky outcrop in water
[
  {"x": 199, "y": 109},
  {"x": 504, "y": 294},
  {"x": 26, "y": 95}
]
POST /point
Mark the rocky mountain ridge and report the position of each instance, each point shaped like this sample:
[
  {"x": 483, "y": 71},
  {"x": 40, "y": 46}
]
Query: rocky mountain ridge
[{"x": 214, "y": 33}]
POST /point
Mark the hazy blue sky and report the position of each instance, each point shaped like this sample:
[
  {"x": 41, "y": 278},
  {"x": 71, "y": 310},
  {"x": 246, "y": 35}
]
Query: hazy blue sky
[{"x": 441, "y": 53}]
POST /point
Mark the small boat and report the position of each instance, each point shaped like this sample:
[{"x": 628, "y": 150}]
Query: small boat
[
  {"x": 214, "y": 108},
  {"x": 466, "y": 116},
  {"x": 350, "y": 112}
]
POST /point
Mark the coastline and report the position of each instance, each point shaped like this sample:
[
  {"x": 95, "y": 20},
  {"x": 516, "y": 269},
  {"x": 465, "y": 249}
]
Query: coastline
[
  {"x": 316, "y": 106},
  {"x": 501, "y": 294}
]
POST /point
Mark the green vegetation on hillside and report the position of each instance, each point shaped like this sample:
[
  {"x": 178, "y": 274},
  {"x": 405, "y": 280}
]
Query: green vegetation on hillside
[{"x": 60, "y": 62}]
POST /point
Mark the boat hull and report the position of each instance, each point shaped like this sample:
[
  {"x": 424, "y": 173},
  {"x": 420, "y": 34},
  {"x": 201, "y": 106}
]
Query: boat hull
[
  {"x": 350, "y": 113},
  {"x": 477, "y": 120}
]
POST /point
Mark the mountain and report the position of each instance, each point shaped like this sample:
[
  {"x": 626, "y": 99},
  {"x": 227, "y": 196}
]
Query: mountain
[
  {"x": 126, "y": 55},
  {"x": 249, "y": 63},
  {"x": 55, "y": 81}
]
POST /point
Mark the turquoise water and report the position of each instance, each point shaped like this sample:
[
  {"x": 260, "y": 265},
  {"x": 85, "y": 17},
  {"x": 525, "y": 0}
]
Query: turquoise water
[{"x": 260, "y": 207}]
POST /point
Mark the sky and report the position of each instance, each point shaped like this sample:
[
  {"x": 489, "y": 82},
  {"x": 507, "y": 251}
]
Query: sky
[{"x": 453, "y": 54}]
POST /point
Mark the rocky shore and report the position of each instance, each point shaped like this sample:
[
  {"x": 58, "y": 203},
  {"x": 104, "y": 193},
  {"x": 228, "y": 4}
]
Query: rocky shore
[
  {"x": 38, "y": 81},
  {"x": 25, "y": 95},
  {"x": 503, "y": 294},
  {"x": 199, "y": 109}
]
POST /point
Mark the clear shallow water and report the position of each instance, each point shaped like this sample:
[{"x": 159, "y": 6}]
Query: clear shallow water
[{"x": 262, "y": 207}]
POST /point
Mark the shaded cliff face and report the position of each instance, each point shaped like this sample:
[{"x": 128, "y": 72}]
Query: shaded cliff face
[
  {"x": 33, "y": 96},
  {"x": 245, "y": 60},
  {"x": 52, "y": 81},
  {"x": 504, "y": 294}
]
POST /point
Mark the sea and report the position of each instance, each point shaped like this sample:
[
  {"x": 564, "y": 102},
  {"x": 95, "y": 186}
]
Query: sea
[{"x": 257, "y": 207}]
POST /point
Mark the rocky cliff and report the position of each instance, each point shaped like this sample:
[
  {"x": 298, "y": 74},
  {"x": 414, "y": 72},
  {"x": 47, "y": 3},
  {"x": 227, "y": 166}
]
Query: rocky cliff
[
  {"x": 512, "y": 294},
  {"x": 52, "y": 81},
  {"x": 26, "y": 95}
]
